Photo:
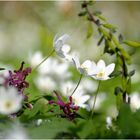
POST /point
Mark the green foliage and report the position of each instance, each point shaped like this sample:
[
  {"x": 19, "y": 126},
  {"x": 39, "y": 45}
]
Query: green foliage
[
  {"x": 132, "y": 43},
  {"x": 89, "y": 30}
]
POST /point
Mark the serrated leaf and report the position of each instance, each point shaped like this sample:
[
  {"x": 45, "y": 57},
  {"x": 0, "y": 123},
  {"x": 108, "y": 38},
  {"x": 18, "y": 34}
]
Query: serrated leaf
[{"x": 132, "y": 43}]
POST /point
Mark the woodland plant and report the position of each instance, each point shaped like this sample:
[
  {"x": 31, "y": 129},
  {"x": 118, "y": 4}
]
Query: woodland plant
[{"x": 70, "y": 116}]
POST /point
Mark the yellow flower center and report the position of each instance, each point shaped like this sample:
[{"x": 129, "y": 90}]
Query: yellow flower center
[
  {"x": 100, "y": 75},
  {"x": 8, "y": 104},
  {"x": 84, "y": 68}
]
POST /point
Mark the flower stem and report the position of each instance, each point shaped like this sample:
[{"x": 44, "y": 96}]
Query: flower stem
[
  {"x": 44, "y": 60},
  {"x": 95, "y": 99},
  {"x": 77, "y": 84}
]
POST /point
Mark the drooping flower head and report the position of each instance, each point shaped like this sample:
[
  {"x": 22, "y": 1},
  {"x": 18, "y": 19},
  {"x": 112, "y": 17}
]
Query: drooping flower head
[
  {"x": 101, "y": 71},
  {"x": 69, "y": 109},
  {"x": 60, "y": 46},
  {"x": 10, "y": 100}
]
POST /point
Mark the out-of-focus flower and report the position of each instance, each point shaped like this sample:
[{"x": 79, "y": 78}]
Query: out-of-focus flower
[
  {"x": 108, "y": 122},
  {"x": 45, "y": 83},
  {"x": 84, "y": 68},
  {"x": 50, "y": 74},
  {"x": 135, "y": 101},
  {"x": 54, "y": 68},
  {"x": 35, "y": 59},
  {"x": 69, "y": 108},
  {"x": 79, "y": 98},
  {"x": 61, "y": 48},
  {"x": 10, "y": 100},
  {"x": 38, "y": 122},
  {"x": 16, "y": 132},
  {"x": 101, "y": 71},
  {"x": 88, "y": 85}
]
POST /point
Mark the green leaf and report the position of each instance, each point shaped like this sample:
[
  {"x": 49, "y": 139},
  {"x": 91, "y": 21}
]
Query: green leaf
[
  {"x": 89, "y": 30},
  {"x": 110, "y": 26},
  {"x": 49, "y": 128},
  {"x": 83, "y": 113},
  {"x": 100, "y": 41},
  {"x": 83, "y": 13},
  {"x": 132, "y": 43},
  {"x": 104, "y": 32},
  {"x": 98, "y": 14}
]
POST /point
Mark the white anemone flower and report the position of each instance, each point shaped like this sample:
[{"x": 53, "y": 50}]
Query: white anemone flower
[
  {"x": 10, "y": 100},
  {"x": 84, "y": 68},
  {"x": 60, "y": 46},
  {"x": 101, "y": 71}
]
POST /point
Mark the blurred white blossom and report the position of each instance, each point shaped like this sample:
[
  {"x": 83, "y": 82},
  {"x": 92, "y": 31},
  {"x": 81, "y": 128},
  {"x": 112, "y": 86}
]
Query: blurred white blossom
[
  {"x": 16, "y": 132},
  {"x": 108, "y": 122},
  {"x": 51, "y": 73},
  {"x": 135, "y": 101},
  {"x": 39, "y": 122},
  {"x": 10, "y": 100},
  {"x": 45, "y": 83},
  {"x": 35, "y": 59},
  {"x": 79, "y": 97}
]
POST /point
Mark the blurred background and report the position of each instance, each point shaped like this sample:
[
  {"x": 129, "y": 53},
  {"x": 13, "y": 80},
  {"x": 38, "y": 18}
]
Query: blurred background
[{"x": 27, "y": 30}]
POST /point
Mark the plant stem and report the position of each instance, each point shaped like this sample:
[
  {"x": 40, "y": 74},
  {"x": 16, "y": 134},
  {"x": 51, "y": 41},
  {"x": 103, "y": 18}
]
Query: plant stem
[
  {"x": 77, "y": 84},
  {"x": 95, "y": 99},
  {"x": 43, "y": 60}
]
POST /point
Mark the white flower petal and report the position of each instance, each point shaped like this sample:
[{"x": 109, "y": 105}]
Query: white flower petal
[
  {"x": 109, "y": 69},
  {"x": 59, "y": 45},
  {"x": 101, "y": 65},
  {"x": 66, "y": 48},
  {"x": 87, "y": 64},
  {"x": 76, "y": 62}
]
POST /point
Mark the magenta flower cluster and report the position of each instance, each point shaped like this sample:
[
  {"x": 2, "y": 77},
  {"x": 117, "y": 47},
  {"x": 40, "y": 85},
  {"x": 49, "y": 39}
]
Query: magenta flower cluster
[
  {"x": 17, "y": 78},
  {"x": 68, "y": 108}
]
